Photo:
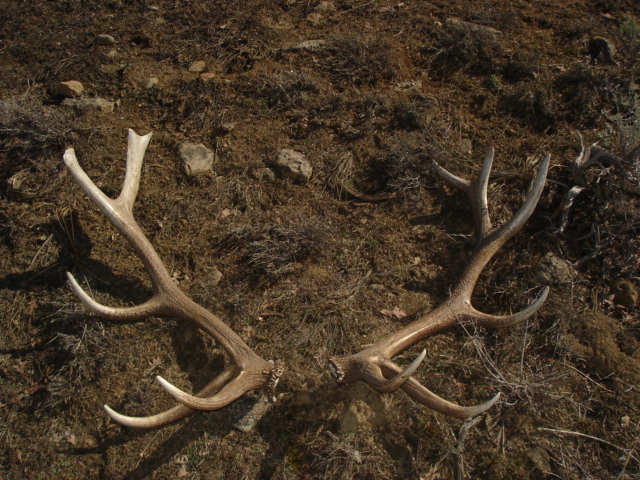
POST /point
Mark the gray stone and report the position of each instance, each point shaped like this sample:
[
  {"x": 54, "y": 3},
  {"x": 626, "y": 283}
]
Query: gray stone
[
  {"x": 70, "y": 89},
  {"x": 293, "y": 165},
  {"x": 111, "y": 54},
  {"x": 151, "y": 82},
  {"x": 104, "y": 41},
  {"x": 196, "y": 158},
  {"x": 101, "y": 104},
  {"x": 264, "y": 174},
  {"x": 540, "y": 460},
  {"x": 215, "y": 277},
  {"x": 553, "y": 270},
  {"x": 325, "y": 7},
  {"x": 246, "y": 412},
  {"x": 475, "y": 27},
  {"x": 198, "y": 66},
  {"x": 314, "y": 18},
  {"x": 307, "y": 45}
]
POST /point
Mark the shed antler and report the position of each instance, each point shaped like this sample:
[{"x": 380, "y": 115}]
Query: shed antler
[
  {"x": 374, "y": 366},
  {"x": 246, "y": 371}
]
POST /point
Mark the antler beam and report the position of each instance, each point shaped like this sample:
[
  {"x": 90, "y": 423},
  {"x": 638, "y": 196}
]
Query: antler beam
[
  {"x": 245, "y": 372},
  {"x": 374, "y": 366}
]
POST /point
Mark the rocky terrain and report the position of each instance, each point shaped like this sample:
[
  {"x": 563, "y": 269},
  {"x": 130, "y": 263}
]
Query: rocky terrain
[{"x": 289, "y": 188}]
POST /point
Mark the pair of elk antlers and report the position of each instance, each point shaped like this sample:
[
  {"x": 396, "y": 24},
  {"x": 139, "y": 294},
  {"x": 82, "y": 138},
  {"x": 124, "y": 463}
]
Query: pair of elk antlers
[{"x": 246, "y": 371}]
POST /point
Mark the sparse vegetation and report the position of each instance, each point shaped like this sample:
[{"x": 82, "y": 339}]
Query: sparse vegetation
[
  {"x": 304, "y": 272},
  {"x": 274, "y": 250},
  {"x": 533, "y": 104},
  {"x": 360, "y": 60},
  {"x": 463, "y": 47}
]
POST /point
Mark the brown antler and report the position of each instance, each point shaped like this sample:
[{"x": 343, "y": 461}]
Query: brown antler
[
  {"x": 246, "y": 370},
  {"x": 374, "y": 366}
]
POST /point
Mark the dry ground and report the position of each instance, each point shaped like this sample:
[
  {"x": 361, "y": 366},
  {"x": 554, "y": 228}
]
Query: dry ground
[{"x": 307, "y": 269}]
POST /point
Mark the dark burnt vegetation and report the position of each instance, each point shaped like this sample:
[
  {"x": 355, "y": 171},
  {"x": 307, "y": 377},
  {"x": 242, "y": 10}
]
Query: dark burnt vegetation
[
  {"x": 583, "y": 93},
  {"x": 278, "y": 92},
  {"x": 275, "y": 250},
  {"x": 461, "y": 47},
  {"x": 532, "y": 103},
  {"x": 359, "y": 59}
]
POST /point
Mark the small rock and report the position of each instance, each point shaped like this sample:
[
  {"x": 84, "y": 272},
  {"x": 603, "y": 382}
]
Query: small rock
[
  {"x": 466, "y": 145},
  {"x": 196, "y": 158},
  {"x": 110, "y": 69},
  {"x": 214, "y": 278},
  {"x": 602, "y": 47},
  {"x": 293, "y": 165},
  {"x": 105, "y": 106},
  {"x": 553, "y": 270},
  {"x": 208, "y": 76},
  {"x": 307, "y": 45},
  {"x": 325, "y": 7},
  {"x": 17, "y": 185},
  {"x": 540, "y": 460},
  {"x": 70, "y": 89},
  {"x": 474, "y": 27},
  {"x": 314, "y": 18},
  {"x": 111, "y": 54},
  {"x": 198, "y": 66},
  {"x": 245, "y": 413},
  {"x": 264, "y": 174},
  {"x": 104, "y": 41},
  {"x": 625, "y": 293},
  {"x": 151, "y": 82}
]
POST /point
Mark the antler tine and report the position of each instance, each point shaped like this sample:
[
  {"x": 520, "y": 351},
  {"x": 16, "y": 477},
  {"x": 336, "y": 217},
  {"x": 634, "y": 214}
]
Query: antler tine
[
  {"x": 503, "y": 321},
  {"x": 426, "y": 397},
  {"x": 135, "y": 154},
  {"x": 246, "y": 372},
  {"x": 173, "y": 414},
  {"x": 421, "y": 394},
  {"x": 374, "y": 366},
  {"x": 397, "y": 381},
  {"x": 153, "y": 306},
  {"x": 476, "y": 191}
]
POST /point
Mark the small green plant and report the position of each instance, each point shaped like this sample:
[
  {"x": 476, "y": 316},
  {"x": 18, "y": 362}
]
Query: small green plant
[
  {"x": 494, "y": 84},
  {"x": 628, "y": 36},
  {"x": 629, "y": 31}
]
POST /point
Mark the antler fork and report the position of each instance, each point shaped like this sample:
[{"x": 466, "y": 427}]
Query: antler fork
[
  {"x": 374, "y": 366},
  {"x": 246, "y": 371}
]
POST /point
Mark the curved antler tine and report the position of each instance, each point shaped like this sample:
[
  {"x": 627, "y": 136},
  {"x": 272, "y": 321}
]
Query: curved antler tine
[
  {"x": 230, "y": 392},
  {"x": 478, "y": 196},
  {"x": 503, "y": 321},
  {"x": 137, "y": 145},
  {"x": 529, "y": 204},
  {"x": 451, "y": 179},
  {"x": 476, "y": 191},
  {"x": 397, "y": 381},
  {"x": 152, "y": 421},
  {"x": 423, "y": 395},
  {"x": 86, "y": 184},
  {"x": 173, "y": 414},
  {"x": 124, "y": 314}
]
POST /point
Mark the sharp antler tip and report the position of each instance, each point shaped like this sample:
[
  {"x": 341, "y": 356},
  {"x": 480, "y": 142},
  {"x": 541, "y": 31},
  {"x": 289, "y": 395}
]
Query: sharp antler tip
[{"x": 115, "y": 416}]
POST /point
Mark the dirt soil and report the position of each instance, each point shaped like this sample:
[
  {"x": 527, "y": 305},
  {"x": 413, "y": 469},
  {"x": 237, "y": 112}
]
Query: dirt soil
[{"x": 307, "y": 271}]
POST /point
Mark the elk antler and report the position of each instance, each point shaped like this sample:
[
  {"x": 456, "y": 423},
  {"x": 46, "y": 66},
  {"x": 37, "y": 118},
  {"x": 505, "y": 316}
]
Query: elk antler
[
  {"x": 246, "y": 371},
  {"x": 374, "y": 366}
]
